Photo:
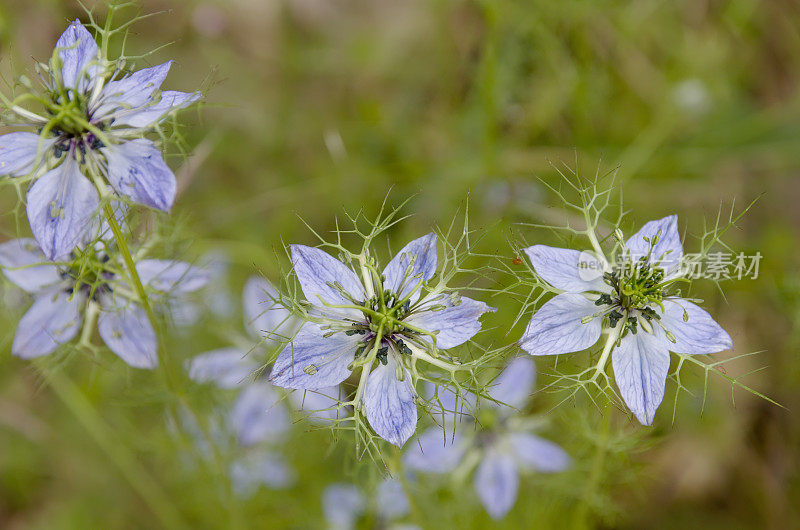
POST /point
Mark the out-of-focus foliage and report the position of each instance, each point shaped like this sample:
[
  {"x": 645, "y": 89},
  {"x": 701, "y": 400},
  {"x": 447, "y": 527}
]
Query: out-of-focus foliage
[{"x": 314, "y": 106}]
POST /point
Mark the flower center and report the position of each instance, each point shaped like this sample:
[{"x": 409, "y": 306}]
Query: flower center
[
  {"x": 386, "y": 311},
  {"x": 90, "y": 274},
  {"x": 487, "y": 418},
  {"x": 637, "y": 285},
  {"x": 635, "y": 288},
  {"x": 383, "y": 325},
  {"x": 71, "y": 123},
  {"x": 69, "y": 115}
]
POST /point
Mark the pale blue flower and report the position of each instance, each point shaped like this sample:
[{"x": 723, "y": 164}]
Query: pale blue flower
[
  {"x": 344, "y": 504},
  {"x": 501, "y": 446},
  {"x": 94, "y": 122},
  {"x": 382, "y": 323},
  {"x": 260, "y": 423},
  {"x": 260, "y": 468},
  {"x": 235, "y": 368},
  {"x": 633, "y": 303},
  {"x": 258, "y": 419},
  {"x": 249, "y": 467},
  {"x": 63, "y": 294}
]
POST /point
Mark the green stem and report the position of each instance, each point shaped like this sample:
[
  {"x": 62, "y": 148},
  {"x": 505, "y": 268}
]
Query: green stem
[
  {"x": 89, "y": 321},
  {"x": 422, "y": 356},
  {"x": 613, "y": 335},
  {"x": 365, "y": 274},
  {"x": 590, "y": 233}
]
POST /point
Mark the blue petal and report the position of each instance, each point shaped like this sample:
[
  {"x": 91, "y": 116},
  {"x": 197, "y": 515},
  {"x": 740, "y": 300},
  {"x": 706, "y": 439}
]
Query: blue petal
[
  {"x": 453, "y": 325},
  {"x": 391, "y": 499},
  {"x": 263, "y": 313},
  {"x": 226, "y": 367},
  {"x": 53, "y": 319},
  {"x": 668, "y": 251},
  {"x": 569, "y": 270},
  {"x": 133, "y": 91},
  {"x": 77, "y": 49},
  {"x": 258, "y": 415},
  {"x": 317, "y": 271},
  {"x": 261, "y": 468},
  {"x": 423, "y": 251},
  {"x": 641, "y": 363},
  {"x": 24, "y": 264},
  {"x": 537, "y": 454},
  {"x": 557, "y": 328},
  {"x": 699, "y": 333},
  {"x": 171, "y": 276},
  {"x": 342, "y": 505},
  {"x": 389, "y": 404},
  {"x": 127, "y": 331},
  {"x": 19, "y": 150},
  {"x": 61, "y": 205},
  {"x": 496, "y": 483},
  {"x": 515, "y": 383},
  {"x": 148, "y": 115},
  {"x": 312, "y": 361},
  {"x": 435, "y": 451},
  {"x": 137, "y": 170}
]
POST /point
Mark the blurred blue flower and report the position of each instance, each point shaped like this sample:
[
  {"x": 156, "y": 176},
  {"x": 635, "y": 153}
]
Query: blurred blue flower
[
  {"x": 234, "y": 368},
  {"x": 381, "y": 324},
  {"x": 94, "y": 122},
  {"x": 258, "y": 419},
  {"x": 63, "y": 293},
  {"x": 247, "y": 440},
  {"x": 343, "y": 505},
  {"x": 501, "y": 446},
  {"x": 644, "y": 322}
]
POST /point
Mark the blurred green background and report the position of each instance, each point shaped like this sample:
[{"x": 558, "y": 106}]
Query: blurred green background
[{"x": 318, "y": 105}]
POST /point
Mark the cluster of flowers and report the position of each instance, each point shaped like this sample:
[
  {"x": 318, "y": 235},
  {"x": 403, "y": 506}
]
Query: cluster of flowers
[
  {"x": 389, "y": 330},
  {"x": 87, "y": 162}
]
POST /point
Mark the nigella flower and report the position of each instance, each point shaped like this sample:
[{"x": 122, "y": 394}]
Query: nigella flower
[
  {"x": 258, "y": 419},
  {"x": 92, "y": 286},
  {"x": 246, "y": 438},
  {"x": 94, "y": 120},
  {"x": 635, "y": 303},
  {"x": 260, "y": 422},
  {"x": 379, "y": 322},
  {"x": 344, "y": 504},
  {"x": 500, "y": 444}
]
